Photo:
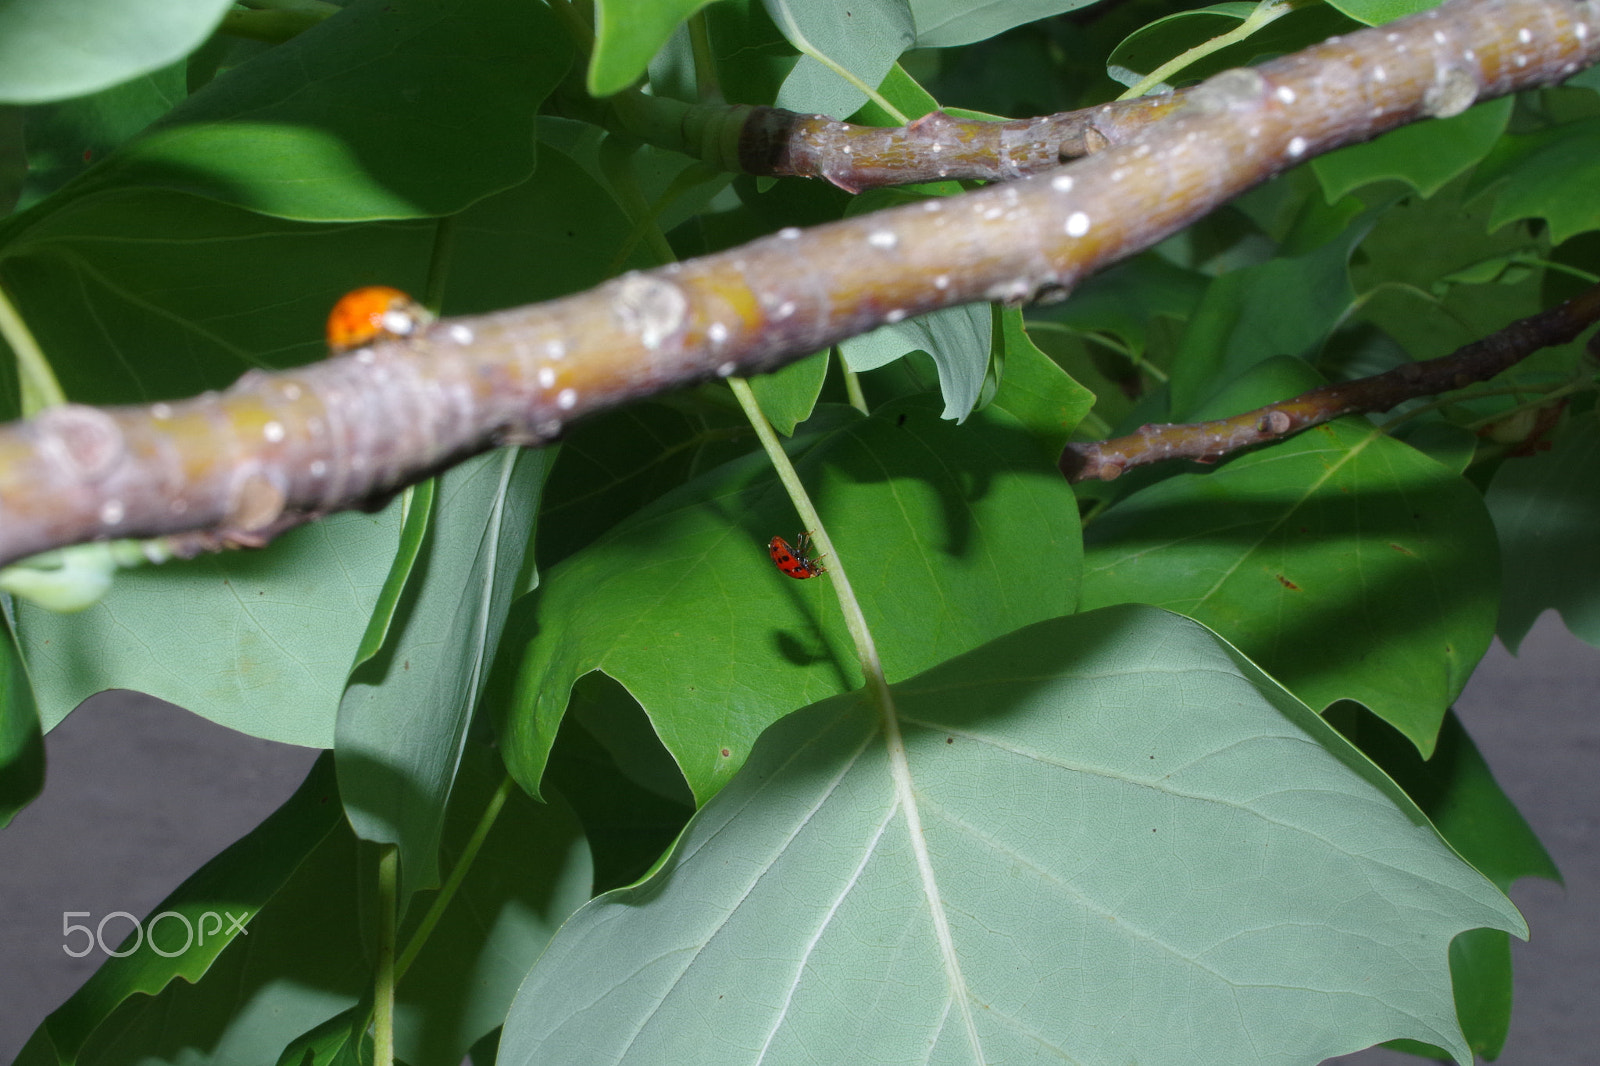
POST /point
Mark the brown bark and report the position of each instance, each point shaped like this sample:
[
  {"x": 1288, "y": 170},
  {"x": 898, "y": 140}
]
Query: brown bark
[{"x": 1211, "y": 441}]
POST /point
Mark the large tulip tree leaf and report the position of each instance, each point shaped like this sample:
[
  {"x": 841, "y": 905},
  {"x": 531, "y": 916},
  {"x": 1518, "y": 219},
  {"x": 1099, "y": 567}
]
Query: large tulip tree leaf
[
  {"x": 1099, "y": 818},
  {"x": 1348, "y": 565}
]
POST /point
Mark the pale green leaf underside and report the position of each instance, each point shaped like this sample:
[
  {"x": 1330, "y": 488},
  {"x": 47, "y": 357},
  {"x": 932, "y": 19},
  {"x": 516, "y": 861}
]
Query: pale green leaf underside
[
  {"x": 945, "y": 23},
  {"x": 262, "y": 643},
  {"x": 958, "y": 339},
  {"x": 403, "y": 718},
  {"x": 1123, "y": 820},
  {"x": 863, "y": 38},
  {"x": 54, "y": 49}
]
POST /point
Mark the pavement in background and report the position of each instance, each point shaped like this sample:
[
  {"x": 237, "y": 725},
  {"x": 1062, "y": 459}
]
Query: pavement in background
[{"x": 140, "y": 794}]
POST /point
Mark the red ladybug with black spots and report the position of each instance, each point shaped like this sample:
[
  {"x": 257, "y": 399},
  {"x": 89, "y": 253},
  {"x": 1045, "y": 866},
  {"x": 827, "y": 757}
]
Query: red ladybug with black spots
[{"x": 796, "y": 561}]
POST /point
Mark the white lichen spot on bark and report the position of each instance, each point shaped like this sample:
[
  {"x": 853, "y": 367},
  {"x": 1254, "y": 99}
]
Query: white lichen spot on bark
[
  {"x": 1452, "y": 92},
  {"x": 85, "y": 441},
  {"x": 650, "y": 308},
  {"x": 1232, "y": 89},
  {"x": 256, "y": 502}
]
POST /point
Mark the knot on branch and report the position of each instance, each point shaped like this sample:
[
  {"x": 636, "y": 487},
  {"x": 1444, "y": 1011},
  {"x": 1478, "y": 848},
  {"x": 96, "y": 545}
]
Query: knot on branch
[
  {"x": 84, "y": 441},
  {"x": 1232, "y": 90}
]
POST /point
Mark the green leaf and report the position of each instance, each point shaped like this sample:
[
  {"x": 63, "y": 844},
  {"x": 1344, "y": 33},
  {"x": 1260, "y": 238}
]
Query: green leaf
[
  {"x": 1550, "y": 175},
  {"x": 65, "y": 139},
  {"x": 865, "y": 39},
  {"x": 1034, "y": 390},
  {"x": 403, "y": 719},
  {"x": 627, "y": 34},
  {"x": 1415, "y": 267},
  {"x": 1155, "y": 43},
  {"x": 788, "y": 396},
  {"x": 437, "y": 113},
  {"x": 614, "y": 463},
  {"x": 558, "y": 232},
  {"x": 1281, "y": 307},
  {"x": 1126, "y": 300},
  {"x": 342, "y": 1040},
  {"x": 1459, "y": 794},
  {"x": 682, "y": 605},
  {"x": 263, "y": 644},
  {"x": 1377, "y": 12},
  {"x": 533, "y": 871},
  {"x": 416, "y": 516},
  {"x": 1547, "y": 513},
  {"x": 53, "y": 49},
  {"x": 611, "y": 767},
  {"x": 958, "y": 339},
  {"x": 1099, "y": 818},
  {"x": 21, "y": 743},
  {"x": 1424, "y": 155},
  {"x": 1346, "y": 564},
  {"x": 948, "y": 23}
]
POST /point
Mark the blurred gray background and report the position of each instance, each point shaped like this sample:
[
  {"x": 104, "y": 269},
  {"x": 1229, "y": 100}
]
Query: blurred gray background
[{"x": 139, "y": 794}]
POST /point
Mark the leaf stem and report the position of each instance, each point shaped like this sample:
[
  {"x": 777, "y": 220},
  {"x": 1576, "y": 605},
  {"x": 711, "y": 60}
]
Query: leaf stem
[
  {"x": 791, "y": 30},
  {"x": 458, "y": 873},
  {"x": 384, "y": 977},
  {"x": 878, "y": 692},
  {"x": 1546, "y": 395},
  {"x": 1268, "y": 11},
  {"x": 852, "y": 387},
  {"x": 40, "y": 389},
  {"x": 706, "y": 83},
  {"x": 854, "y": 620}
]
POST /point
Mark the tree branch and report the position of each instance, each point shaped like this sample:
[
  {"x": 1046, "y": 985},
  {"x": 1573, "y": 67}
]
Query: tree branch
[
  {"x": 772, "y": 142},
  {"x": 278, "y": 447},
  {"x": 1208, "y": 442}
]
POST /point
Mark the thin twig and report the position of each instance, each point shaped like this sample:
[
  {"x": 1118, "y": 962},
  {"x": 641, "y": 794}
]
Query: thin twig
[{"x": 1207, "y": 442}]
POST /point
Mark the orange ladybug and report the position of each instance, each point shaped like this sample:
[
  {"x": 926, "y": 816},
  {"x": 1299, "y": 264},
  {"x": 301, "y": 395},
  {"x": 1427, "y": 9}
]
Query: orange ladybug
[
  {"x": 363, "y": 315},
  {"x": 796, "y": 561}
]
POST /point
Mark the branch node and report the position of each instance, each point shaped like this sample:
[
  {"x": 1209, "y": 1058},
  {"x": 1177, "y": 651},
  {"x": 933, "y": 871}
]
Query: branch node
[
  {"x": 85, "y": 440},
  {"x": 1275, "y": 424},
  {"x": 1453, "y": 91}
]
